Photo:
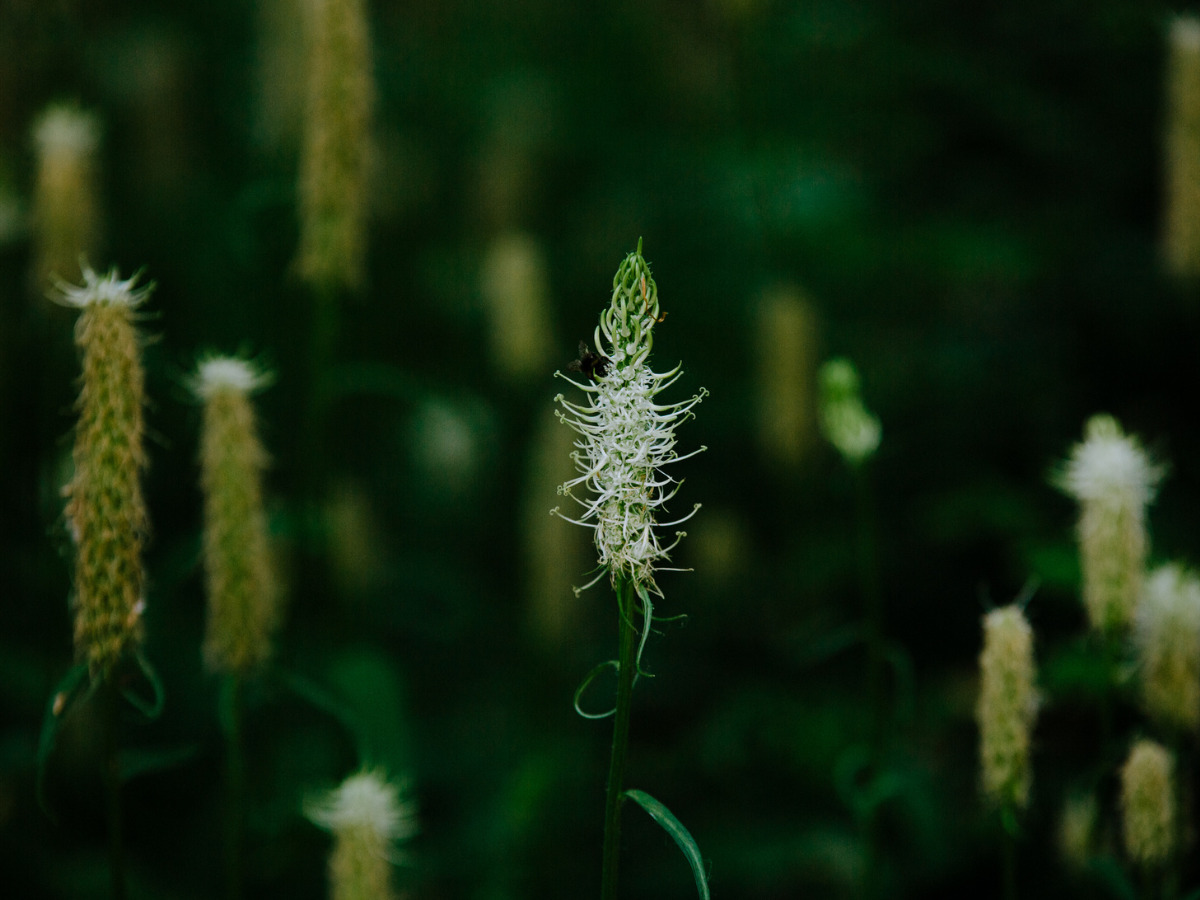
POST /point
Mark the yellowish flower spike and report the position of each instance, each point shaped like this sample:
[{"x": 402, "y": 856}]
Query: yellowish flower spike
[
  {"x": 243, "y": 593},
  {"x": 67, "y": 204},
  {"x": 1113, "y": 480},
  {"x": 367, "y": 818},
  {"x": 1007, "y": 707},
  {"x": 786, "y": 347},
  {"x": 105, "y": 511},
  {"x": 1167, "y": 637},
  {"x": 336, "y": 152},
  {"x": 1148, "y": 803},
  {"x": 513, "y": 284},
  {"x": 1181, "y": 236}
]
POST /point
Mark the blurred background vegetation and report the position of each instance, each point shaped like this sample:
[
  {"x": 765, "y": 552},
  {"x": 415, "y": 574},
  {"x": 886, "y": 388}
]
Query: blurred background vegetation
[{"x": 964, "y": 199}]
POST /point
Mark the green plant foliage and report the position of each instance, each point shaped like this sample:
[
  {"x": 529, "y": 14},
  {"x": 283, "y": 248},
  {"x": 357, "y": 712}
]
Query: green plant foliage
[{"x": 679, "y": 834}]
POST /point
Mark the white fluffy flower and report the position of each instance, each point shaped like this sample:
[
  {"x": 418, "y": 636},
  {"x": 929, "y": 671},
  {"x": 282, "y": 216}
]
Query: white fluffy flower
[
  {"x": 366, "y": 801},
  {"x": 67, "y": 129},
  {"x": 625, "y": 437},
  {"x": 1167, "y": 636},
  {"x": 1110, "y": 467},
  {"x": 102, "y": 289},
  {"x": 218, "y": 373}
]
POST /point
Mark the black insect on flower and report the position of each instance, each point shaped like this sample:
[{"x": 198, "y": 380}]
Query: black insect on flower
[{"x": 592, "y": 365}]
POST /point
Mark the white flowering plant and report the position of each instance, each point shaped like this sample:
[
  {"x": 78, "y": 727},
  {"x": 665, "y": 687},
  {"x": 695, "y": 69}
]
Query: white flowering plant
[{"x": 626, "y": 440}]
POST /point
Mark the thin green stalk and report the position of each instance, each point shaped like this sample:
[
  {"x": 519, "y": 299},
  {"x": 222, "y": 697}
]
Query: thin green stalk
[
  {"x": 1180, "y": 752},
  {"x": 872, "y": 594},
  {"x": 1010, "y": 864},
  {"x": 110, "y": 699},
  {"x": 235, "y": 787},
  {"x": 868, "y": 577},
  {"x": 626, "y": 672}
]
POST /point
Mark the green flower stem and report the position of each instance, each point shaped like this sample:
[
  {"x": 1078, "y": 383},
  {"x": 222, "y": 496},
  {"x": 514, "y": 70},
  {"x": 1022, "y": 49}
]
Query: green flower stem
[
  {"x": 1010, "y": 864},
  {"x": 1181, "y": 753},
  {"x": 868, "y": 575},
  {"x": 235, "y": 785},
  {"x": 872, "y": 594},
  {"x": 110, "y": 699},
  {"x": 626, "y": 673}
]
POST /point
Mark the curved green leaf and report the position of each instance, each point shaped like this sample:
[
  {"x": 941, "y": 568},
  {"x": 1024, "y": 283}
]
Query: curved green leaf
[
  {"x": 678, "y": 833},
  {"x": 150, "y": 708},
  {"x": 587, "y": 680}
]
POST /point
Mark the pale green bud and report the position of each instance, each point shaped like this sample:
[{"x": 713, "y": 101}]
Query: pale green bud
[
  {"x": 1007, "y": 707},
  {"x": 1148, "y": 803},
  {"x": 846, "y": 423}
]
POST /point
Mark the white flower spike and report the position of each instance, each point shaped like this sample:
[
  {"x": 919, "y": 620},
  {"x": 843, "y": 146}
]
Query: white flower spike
[
  {"x": 367, "y": 817},
  {"x": 625, "y": 437},
  {"x": 1113, "y": 480}
]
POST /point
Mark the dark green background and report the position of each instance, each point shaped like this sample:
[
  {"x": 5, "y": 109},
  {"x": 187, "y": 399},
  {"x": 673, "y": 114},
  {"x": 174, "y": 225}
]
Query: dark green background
[{"x": 970, "y": 195}]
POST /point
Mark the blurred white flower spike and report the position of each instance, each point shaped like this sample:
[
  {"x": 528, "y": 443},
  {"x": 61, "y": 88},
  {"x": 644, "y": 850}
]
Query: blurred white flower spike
[
  {"x": 367, "y": 818},
  {"x": 626, "y": 438},
  {"x": 1114, "y": 481}
]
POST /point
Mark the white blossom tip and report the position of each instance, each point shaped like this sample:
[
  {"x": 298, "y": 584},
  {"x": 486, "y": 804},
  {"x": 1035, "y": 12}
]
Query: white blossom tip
[
  {"x": 365, "y": 800},
  {"x": 101, "y": 290},
  {"x": 221, "y": 373},
  {"x": 65, "y": 128},
  {"x": 1185, "y": 32},
  {"x": 1109, "y": 466}
]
